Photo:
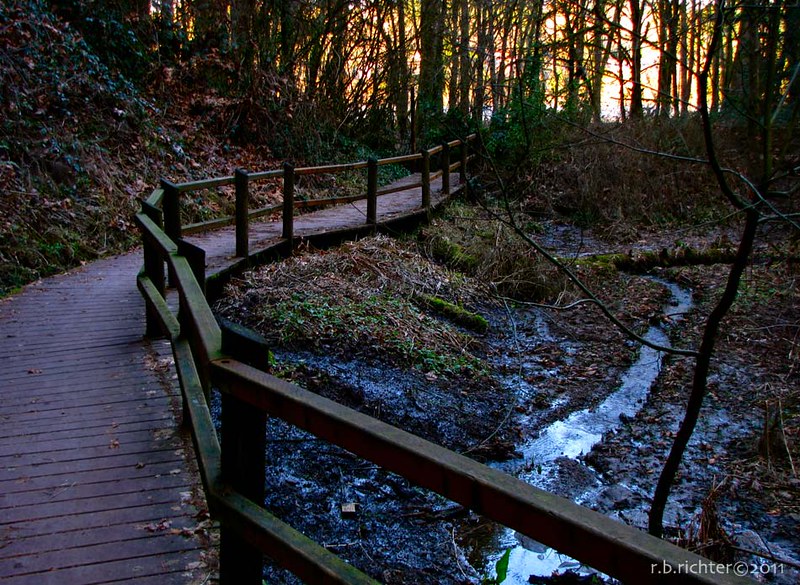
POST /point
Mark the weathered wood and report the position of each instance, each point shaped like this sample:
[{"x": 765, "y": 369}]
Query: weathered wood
[
  {"x": 163, "y": 321},
  {"x": 171, "y": 205},
  {"x": 197, "y": 415},
  {"x": 244, "y": 431},
  {"x": 242, "y": 213},
  {"x": 398, "y": 188},
  {"x": 308, "y": 203},
  {"x": 398, "y": 160},
  {"x": 155, "y": 198},
  {"x": 288, "y": 202},
  {"x": 331, "y": 168},
  {"x": 286, "y": 546},
  {"x": 153, "y": 267},
  {"x": 462, "y": 169},
  {"x": 196, "y": 257},
  {"x": 372, "y": 191},
  {"x": 445, "y": 164},
  {"x": 156, "y": 236},
  {"x": 204, "y": 184},
  {"x": 197, "y": 321},
  {"x": 88, "y": 445},
  {"x": 619, "y": 550},
  {"x": 426, "y": 181},
  {"x": 261, "y": 175},
  {"x": 207, "y": 226}
]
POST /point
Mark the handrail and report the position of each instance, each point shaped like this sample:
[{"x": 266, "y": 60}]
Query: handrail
[
  {"x": 196, "y": 341},
  {"x": 203, "y": 358},
  {"x": 171, "y": 192}
]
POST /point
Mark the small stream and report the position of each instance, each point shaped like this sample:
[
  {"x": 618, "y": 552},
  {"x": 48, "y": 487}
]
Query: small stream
[
  {"x": 550, "y": 460},
  {"x": 308, "y": 482}
]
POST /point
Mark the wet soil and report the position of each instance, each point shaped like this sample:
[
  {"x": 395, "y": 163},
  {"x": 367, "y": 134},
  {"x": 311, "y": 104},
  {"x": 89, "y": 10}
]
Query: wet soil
[{"x": 541, "y": 366}]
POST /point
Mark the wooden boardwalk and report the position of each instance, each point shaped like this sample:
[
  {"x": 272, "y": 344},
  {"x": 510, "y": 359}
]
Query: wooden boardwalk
[
  {"x": 96, "y": 481},
  {"x": 220, "y": 244}
]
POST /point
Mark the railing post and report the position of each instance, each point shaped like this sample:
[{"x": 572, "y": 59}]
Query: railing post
[
  {"x": 241, "y": 180},
  {"x": 372, "y": 191},
  {"x": 462, "y": 171},
  {"x": 445, "y": 169},
  {"x": 243, "y": 449},
  {"x": 196, "y": 256},
  {"x": 172, "y": 210},
  {"x": 288, "y": 203},
  {"x": 426, "y": 181},
  {"x": 171, "y": 207},
  {"x": 153, "y": 268}
]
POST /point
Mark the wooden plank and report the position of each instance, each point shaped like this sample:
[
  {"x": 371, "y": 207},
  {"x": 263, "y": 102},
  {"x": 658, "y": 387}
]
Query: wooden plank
[
  {"x": 151, "y": 425},
  {"x": 130, "y": 516},
  {"x": 20, "y": 472},
  {"x": 169, "y": 323},
  {"x": 163, "y": 569},
  {"x": 67, "y": 413},
  {"x": 204, "y": 435},
  {"x": 286, "y": 546},
  {"x": 262, "y": 175},
  {"x": 74, "y": 490},
  {"x": 154, "y": 418},
  {"x": 204, "y": 184},
  {"x": 59, "y": 397},
  {"x": 399, "y": 188},
  {"x": 56, "y": 481},
  {"x": 156, "y": 197},
  {"x": 62, "y": 563},
  {"x": 331, "y": 168},
  {"x": 155, "y": 235},
  {"x": 395, "y": 160},
  {"x": 164, "y": 497},
  {"x": 50, "y": 444},
  {"x": 205, "y": 226},
  {"x": 149, "y": 527}
]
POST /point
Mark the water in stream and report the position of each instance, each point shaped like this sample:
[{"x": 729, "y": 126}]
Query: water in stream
[
  {"x": 412, "y": 532},
  {"x": 560, "y": 444}
]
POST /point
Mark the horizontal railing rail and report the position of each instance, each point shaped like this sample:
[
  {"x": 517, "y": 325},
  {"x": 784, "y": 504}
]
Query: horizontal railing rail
[
  {"x": 244, "y": 215},
  {"x": 211, "y": 353}
]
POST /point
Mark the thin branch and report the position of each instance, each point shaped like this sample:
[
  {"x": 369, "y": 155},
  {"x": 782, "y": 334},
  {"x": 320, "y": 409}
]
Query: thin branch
[{"x": 630, "y": 333}]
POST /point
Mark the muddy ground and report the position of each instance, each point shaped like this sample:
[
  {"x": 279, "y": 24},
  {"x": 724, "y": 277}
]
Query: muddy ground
[{"x": 536, "y": 366}]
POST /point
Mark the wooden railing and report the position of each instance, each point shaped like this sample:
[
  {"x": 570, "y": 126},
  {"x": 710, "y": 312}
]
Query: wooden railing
[{"x": 216, "y": 354}]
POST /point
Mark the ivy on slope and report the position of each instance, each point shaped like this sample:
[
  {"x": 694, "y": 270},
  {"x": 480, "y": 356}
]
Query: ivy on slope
[{"x": 70, "y": 131}]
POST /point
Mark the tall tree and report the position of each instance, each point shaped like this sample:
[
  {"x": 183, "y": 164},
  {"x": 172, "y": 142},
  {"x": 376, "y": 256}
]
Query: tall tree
[
  {"x": 637, "y": 35},
  {"x": 433, "y": 14}
]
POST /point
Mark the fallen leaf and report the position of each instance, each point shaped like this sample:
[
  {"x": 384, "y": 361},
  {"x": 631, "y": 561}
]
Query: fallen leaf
[{"x": 158, "y": 526}]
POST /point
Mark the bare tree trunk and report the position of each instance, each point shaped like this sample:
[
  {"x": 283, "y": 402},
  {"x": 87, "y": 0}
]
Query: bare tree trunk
[
  {"x": 484, "y": 49},
  {"x": 637, "y": 107},
  {"x": 465, "y": 63},
  {"x": 431, "y": 78}
]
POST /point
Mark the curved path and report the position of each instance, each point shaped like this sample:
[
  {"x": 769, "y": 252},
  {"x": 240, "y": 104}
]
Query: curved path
[
  {"x": 96, "y": 480},
  {"x": 95, "y": 485}
]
